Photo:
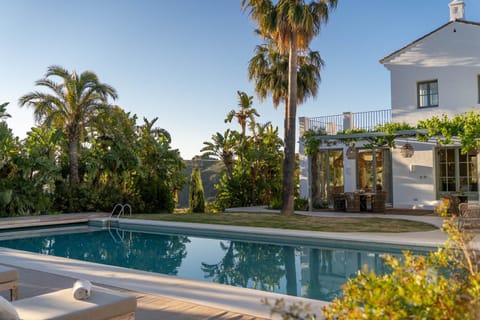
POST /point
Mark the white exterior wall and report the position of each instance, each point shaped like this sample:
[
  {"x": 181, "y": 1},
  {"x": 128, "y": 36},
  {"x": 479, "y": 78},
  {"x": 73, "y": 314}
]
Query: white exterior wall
[
  {"x": 349, "y": 172},
  {"x": 452, "y": 58},
  {"x": 414, "y": 178},
  {"x": 305, "y": 176},
  {"x": 450, "y": 55}
]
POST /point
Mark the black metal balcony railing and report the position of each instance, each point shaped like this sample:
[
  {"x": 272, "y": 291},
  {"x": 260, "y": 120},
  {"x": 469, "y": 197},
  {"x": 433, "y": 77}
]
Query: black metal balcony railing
[
  {"x": 370, "y": 119},
  {"x": 331, "y": 124},
  {"x": 351, "y": 120}
]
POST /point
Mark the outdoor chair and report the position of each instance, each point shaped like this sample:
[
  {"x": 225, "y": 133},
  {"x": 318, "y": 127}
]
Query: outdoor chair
[
  {"x": 469, "y": 215},
  {"x": 352, "y": 201},
  {"x": 103, "y": 304},
  {"x": 378, "y": 202},
  {"x": 454, "y": 201},
  {"x": 9, "y": 281},
  {"x": 339, "y": 201}
]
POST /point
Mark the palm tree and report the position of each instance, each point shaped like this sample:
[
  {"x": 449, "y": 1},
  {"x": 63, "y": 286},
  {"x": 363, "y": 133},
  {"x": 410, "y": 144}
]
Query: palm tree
[
  {"x": 245, "y": 113},
  {"x": 222, "y": 148},
  {"x": 73, "y": 104},
  {"x": 292, "y": 24},
  {"x": 269, "y": 69},
  {"x": 3, "y": 111}
]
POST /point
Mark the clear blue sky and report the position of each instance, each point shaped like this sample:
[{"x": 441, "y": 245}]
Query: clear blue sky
[{"x": 183, "y": 61}]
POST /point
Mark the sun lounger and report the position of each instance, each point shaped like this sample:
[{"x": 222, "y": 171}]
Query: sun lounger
[
  {"x": 103, "y": 304},
  {"x": 9, "y": 281}
]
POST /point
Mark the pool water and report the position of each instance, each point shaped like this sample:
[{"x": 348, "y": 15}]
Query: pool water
[{"x": 306, "y": 271}]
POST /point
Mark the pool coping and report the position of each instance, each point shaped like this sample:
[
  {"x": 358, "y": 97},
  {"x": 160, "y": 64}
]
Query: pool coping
[
  {"x": 428, "y": 239},
  {"x": 241, "y": 300}
]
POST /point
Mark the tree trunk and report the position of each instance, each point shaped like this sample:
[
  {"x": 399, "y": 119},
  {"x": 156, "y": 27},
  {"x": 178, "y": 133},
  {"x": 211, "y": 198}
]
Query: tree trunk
[
  {"x": 289, "y": 148},
  {"x": 290, "y": 271},
  {"x": 315, "y": 187},
  {"x": 73, "y": 157}
]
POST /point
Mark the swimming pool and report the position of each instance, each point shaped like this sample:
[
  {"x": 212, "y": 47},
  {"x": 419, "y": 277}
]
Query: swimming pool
[{"x": 311, "y": 270}]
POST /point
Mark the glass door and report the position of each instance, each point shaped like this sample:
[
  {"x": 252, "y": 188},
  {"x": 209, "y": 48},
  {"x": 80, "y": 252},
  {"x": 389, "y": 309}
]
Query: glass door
[
  {"x": 374, "y": 171},
  {"x": 327, "y": 176},
  {"x": 457, "y": 172},
  {"x": 335, "y": 173}
]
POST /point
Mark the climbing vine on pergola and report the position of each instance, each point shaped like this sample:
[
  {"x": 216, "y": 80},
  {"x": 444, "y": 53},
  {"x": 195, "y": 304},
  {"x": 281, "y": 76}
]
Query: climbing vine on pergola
[{"x": 465, "y": 127}]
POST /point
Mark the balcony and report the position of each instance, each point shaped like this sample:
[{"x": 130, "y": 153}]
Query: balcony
[{"x": 348, "y": 120}]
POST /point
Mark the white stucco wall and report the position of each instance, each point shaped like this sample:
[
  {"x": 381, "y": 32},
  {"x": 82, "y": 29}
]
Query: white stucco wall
[
  {"x": 452, "y": 58},
  {"x": 304, "y": 178},
  {"x": 414, "y": 178},
  {"x": 450, "y": 55},
  {"x": 349, "y": 173}
]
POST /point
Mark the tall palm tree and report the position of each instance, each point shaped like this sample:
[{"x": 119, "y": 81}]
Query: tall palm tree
[
  {"x": 71, "y": 106},
  {"x": 292, "y": 24},
  {"x": 245, "y": 112},
  {"x": 269, "y": 69}
]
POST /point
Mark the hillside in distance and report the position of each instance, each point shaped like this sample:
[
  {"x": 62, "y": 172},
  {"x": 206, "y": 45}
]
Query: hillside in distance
[{"x": 210, "y": 170}]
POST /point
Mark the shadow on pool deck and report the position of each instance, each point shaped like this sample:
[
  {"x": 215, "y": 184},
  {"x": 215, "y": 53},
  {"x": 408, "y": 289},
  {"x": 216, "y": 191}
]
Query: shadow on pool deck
[{"x": 149, "y": 307}]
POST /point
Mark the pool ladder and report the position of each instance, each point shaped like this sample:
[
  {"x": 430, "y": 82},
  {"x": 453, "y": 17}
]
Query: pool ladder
[
  {"x": 117, "y": 236},
  {"x": 121, "y": 209}
]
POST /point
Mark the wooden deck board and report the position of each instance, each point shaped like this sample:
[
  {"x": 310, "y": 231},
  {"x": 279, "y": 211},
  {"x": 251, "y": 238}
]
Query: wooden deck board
[{"x": 149, "y": 307}]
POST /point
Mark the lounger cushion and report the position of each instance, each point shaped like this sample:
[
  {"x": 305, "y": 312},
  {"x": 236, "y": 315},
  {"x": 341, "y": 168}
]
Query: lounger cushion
[
  {"x": 8, "y": 274},
  {"x": 7, "y": 310},
  {"x": 60, "y": 305}
]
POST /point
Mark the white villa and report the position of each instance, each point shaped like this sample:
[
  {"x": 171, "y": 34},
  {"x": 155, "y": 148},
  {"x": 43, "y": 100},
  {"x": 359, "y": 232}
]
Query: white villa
[{"x": 436, "y": 74}]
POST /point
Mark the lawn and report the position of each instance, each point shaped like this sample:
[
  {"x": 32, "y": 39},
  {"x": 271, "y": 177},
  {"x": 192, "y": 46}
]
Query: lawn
[{"x": 296, "y": 222}]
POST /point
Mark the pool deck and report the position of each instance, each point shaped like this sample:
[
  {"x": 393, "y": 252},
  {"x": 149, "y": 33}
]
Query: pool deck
[
  {"x": 149, "y": 307},
  {"x": 164, "y": 297}
]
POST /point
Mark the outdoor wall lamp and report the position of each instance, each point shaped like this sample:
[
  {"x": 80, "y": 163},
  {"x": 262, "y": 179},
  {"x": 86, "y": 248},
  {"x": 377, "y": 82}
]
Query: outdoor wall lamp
[{"x": 407, "y": 150}]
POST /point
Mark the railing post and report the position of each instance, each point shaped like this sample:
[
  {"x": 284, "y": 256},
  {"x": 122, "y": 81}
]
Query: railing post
[
  {"x": 347, "y": 120},
  {"x": 303, "y": 125}
]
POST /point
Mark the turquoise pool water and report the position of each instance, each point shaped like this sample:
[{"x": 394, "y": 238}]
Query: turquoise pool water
[{"x": 315, "y": 272}]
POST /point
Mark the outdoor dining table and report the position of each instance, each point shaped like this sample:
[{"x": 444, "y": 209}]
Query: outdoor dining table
[{"x": 360, "y": 201}]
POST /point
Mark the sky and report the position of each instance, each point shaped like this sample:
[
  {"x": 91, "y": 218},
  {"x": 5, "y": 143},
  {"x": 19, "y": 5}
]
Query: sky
[{"x": 184, "y": 61}]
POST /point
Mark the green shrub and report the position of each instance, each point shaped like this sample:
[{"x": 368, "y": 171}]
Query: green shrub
[
  {"x": 276, "y": 204},
  {"x": 320, "y": 204},
  {"x": 301, "y": 204},
  {"x": 443, "y": 285},
  {"x": 211, "y": 207}
]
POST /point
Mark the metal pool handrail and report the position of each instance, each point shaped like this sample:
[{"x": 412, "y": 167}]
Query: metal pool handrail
[{"x": 122, "y": 209}]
